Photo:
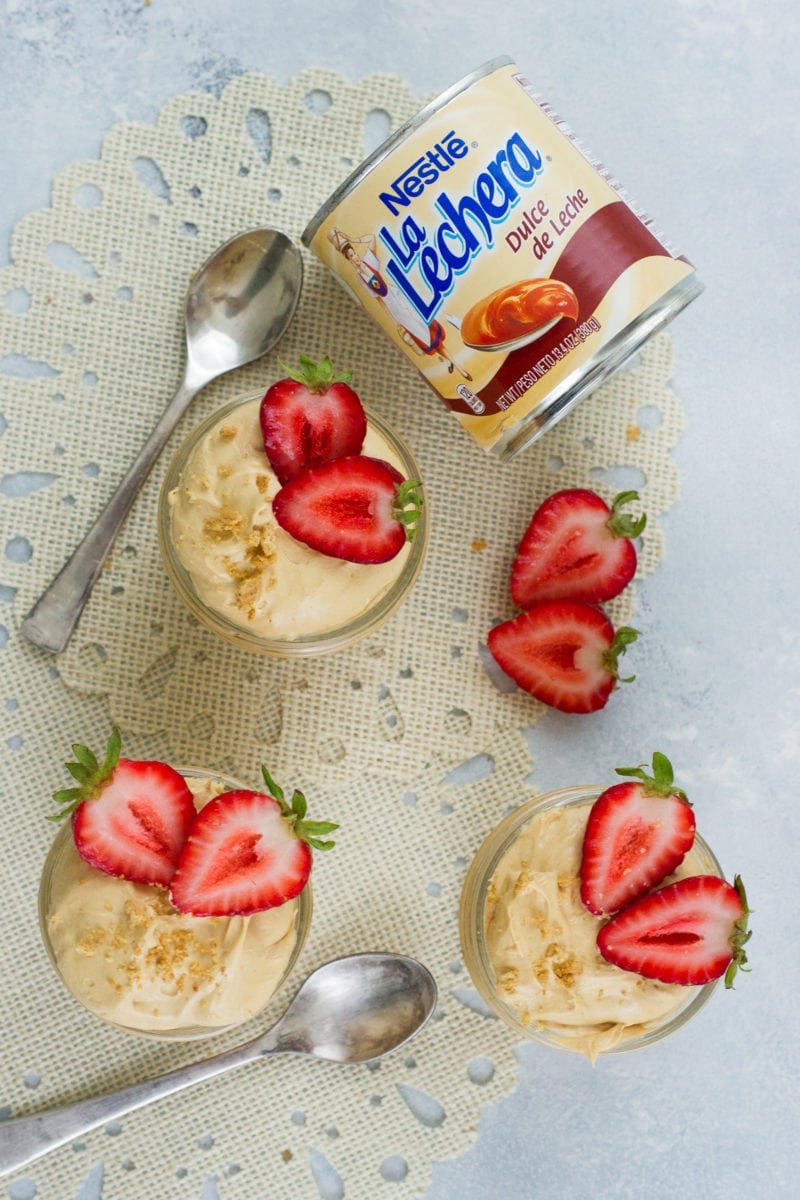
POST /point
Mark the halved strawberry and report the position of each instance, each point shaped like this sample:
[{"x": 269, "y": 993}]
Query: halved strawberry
[
  {"x": 128, "y": 818},
  {"x": 689, "y": 932},
  {"x": 564, "y": 652},
  {"x": 246, "y": 852},
  {"x": 636, "y": 835},
  {"x": 311, "y": 417},
  {"x": 576, "y": 548},
  {"x": 359, "y": 509}
]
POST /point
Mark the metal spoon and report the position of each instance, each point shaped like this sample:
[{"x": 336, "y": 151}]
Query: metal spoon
[
  {"x": 350, "y": 1010},
  {"x": 237, "y": 307}
]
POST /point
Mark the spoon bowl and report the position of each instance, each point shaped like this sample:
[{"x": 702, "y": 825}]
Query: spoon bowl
[
  {"x": 237, "y": 307},
  {"x": 356, "y": 1009},
  {"x": 350, "y": 1010},
  {"x": 516, "y": 343},
  {"x": 240, "y": 301}
]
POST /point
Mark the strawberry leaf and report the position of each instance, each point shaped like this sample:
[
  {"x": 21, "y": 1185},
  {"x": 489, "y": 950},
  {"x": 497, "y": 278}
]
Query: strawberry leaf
[
  {"x": 89, "y": 775},
  {"x": 407, "y": 506},
  {"x": 79, "y": 771},
  {"x": 741, "y": 935},
  {"x": 113, "y": 750},
  {"x": 316, "y": 828},
  {"x": 272, "y": 787},
  {"x": 85, "y": 756},
  {"x": 623, "y": 524},
  {"x": 320, "y": 845},
  {"x": 294, "y": 812},
  {"x": 661, "y": 782},
  {"x": 317, "y": 377},
  {"x": 299, "y": 805},
  {"x": 624, "y": 637}
]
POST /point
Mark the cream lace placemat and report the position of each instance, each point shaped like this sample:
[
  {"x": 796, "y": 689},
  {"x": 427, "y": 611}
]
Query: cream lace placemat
[{"x": 90, "y": 346}]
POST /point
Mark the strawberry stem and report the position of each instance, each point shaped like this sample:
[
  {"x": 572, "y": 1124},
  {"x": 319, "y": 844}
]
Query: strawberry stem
[
  {"x": 88, "y": 773},
  {"x": 407, "y": 506},
  {"x": 624, "y": 637},
  {"x": 294, "y": 813},
  {"x": 661, "y": 782},
  {"x": 741, "y": 935},
  {"x": 623, "y": 524},
  {"x": 317, "y": 377}
]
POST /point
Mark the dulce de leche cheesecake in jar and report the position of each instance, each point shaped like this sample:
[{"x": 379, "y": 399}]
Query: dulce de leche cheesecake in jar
[
  {"x": 174, "y": 903},
  {"x": 500, "y": 257},
  {"x": 242, "y": 574},
  {"x": 557, "y": 971}
]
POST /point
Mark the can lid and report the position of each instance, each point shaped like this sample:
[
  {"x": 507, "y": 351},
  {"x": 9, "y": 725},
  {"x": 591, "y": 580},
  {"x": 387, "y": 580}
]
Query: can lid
[{"x": 377, "y": 156}]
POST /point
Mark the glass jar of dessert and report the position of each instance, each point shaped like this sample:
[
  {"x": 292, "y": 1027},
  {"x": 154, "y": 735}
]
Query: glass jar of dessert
[
  {"x": 530, "y": 942},
  {"x": 224, "y": 526},
  {"x": 133, "y": 959}
]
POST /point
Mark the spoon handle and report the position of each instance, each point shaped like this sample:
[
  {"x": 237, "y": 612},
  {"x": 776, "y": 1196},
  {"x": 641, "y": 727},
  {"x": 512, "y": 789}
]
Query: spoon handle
[
  {"x": 51, "y": 621},
  {"x": 26, "y": 1138}
]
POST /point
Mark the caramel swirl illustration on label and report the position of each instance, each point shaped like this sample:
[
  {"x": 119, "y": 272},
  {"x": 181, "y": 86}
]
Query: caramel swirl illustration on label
[{"x": 518, "y": 311}]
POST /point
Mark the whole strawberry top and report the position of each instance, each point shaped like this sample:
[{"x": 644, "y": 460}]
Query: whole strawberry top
[
  {"x": 242, "y": 853},
  {"x": 636, "y": 835},
  {"x": 576, "y": 547},
  {"x": 311, "y": 417},
  {"x": 128, "y": 818}
]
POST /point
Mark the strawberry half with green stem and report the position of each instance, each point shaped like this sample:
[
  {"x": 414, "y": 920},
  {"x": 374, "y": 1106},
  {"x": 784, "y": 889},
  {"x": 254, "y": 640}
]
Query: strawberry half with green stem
[
  {"x": 636, "y": 835},
  {"x": 689, "y": 932},
  {"x": 311, "y": 417},
  {"x": 128, "y": 818},
  {"x": 246, "y": 852},
  {"x": 564, "y": 652},
  {"x": 576, "y": 547},
  {"x": 359, "y": 509}
]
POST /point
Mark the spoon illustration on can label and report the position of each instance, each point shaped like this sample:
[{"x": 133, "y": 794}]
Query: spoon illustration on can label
[{"x": 519, "y": 313}]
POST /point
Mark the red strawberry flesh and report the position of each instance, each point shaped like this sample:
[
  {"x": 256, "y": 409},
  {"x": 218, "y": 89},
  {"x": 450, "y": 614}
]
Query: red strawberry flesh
[
  {"x": 309, "y": 419},
  {"x": 136, "y": 825},
  {"x": 636, "y": 835},
  {"x": 346, "y": 509},
  {"x": 633, "y": 840},
  {"x": 575, "y": 547},
  {"x": 688, "y": 932},
  {"x": 242, "y": 857},
  {"x": 563, "y": 652}
]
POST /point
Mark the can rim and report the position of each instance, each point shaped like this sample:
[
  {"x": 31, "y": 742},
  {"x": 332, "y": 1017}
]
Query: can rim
[{"x": 394, "y": 139}]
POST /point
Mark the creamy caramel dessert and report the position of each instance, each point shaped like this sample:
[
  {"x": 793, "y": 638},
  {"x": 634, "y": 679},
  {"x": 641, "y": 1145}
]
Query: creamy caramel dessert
[
  {"x": 133, "y": 959},
  {"x": 541, "y": 943},
  {"x": 241, "y": 563}
]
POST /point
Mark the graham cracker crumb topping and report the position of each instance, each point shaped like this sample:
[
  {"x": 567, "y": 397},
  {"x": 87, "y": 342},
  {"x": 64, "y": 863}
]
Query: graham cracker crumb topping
[
  {"x": 223, "y": 526},
  {"x": 91, "y": 942},
  {"x": 566, "y": 970},
  {"x": 508, "y": 981}
]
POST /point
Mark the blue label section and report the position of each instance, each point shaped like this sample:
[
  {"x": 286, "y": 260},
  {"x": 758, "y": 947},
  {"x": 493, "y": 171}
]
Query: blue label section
[
  {"x": 425, "y": 262},
  {"x": 424, "y": 171}
]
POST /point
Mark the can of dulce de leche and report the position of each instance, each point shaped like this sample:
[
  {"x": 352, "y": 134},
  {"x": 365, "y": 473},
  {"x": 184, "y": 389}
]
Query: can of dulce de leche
[{"x": 504, "y": 260}]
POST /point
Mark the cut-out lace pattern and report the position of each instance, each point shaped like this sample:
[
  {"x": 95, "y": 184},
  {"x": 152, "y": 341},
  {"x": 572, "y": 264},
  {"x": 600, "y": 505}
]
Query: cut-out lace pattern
[{"x": 90, "y": 349}]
